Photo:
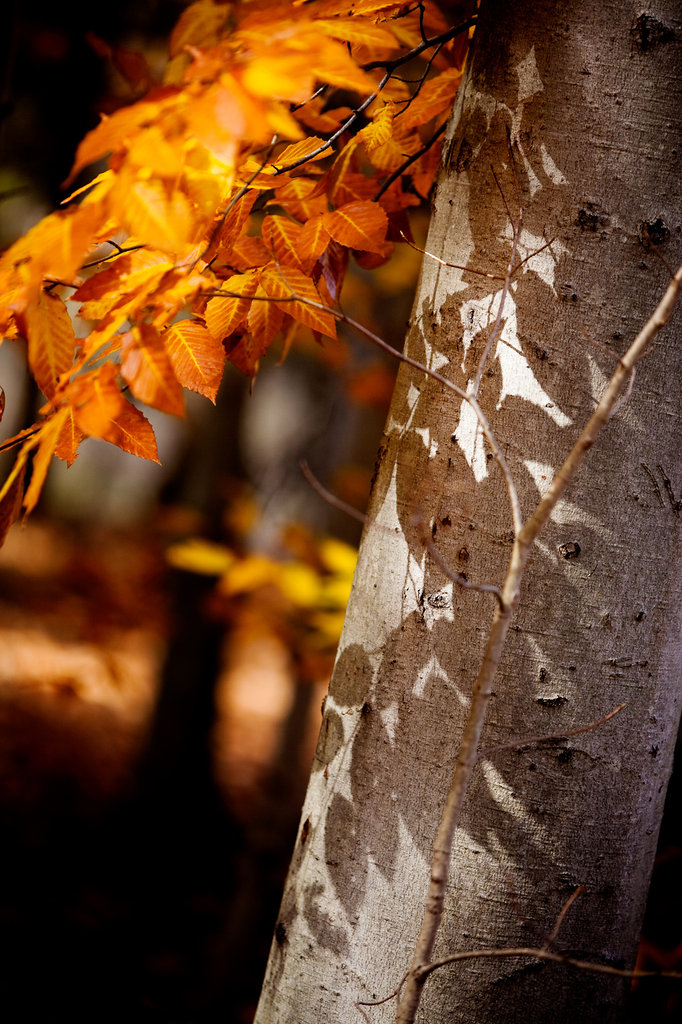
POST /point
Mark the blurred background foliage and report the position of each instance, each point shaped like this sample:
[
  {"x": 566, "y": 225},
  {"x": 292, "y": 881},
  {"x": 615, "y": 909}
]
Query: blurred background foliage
[{"x": 167, "y": 632}]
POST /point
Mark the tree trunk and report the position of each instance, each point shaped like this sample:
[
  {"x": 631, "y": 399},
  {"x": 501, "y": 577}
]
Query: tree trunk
[{"x": 587, "y": 98}]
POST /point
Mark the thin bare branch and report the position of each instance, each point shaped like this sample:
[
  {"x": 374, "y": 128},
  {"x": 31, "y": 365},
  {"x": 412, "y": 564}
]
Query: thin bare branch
[
  {"x": 471, "y": 270},
  {"x": 544, "y": 954},
  {"x": 232, "y": 203},
  {"x": 562, "y": 914},
  {"x": 458, "y": 578},
  {"x": 533, "y": 741},
  {"x": 445, "y": 37},
  {"x": 410, "y": 160},
  {"x": 330, "y": 498}
]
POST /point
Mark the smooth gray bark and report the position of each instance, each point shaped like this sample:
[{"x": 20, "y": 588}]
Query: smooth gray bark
[{"x": 590, "y": 95}]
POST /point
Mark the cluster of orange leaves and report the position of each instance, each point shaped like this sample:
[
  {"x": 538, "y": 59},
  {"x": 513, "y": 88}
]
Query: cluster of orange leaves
[{"x": 283, "y": 138}]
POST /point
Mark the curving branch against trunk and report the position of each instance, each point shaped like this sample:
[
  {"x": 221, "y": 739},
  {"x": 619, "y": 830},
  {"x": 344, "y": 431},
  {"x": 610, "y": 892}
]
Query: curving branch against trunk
[
  {"x": 469, "y": 748},
  {"x": 590, "y": 94}
]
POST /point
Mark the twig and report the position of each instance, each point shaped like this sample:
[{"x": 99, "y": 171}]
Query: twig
[
  {"x": 532, "y": 741},
  {"x": 458, "y": 578},
  {"x": 562, "y": 913},
  {"x": 545, "y": 954},
  {"x": 445, "y": 37},
  {"x": 330, "y": 498},
  {"x": 471, "y": 270},
  {"x": 230, "y": 206},
  {"x": 388, "y": 66},
  {"x": 410, "y": 160}
]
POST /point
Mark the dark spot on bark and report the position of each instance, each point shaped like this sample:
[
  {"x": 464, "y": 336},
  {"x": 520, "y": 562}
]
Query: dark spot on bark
[
  {"x": 587, "y": 221},
  {"x": 607, "y": 890},
  {"x": 653, "y": 232},
  {"x": 280, "y": 933},
  {"x": 571, "y": 549},
  {"x": 648, "y": 32},
  {"x": 564, "y": 756},
  {"x": 381, "y": 455},
  {"x": 543, "y": 674},
  {"x": 446, "y": 521},
  {"x": 463, "y": 554},
  {"x": 366, "y": 708},
  {"x": 654, "y": 750},
  {"x": 532, "y": 766},
  {"x": 464, "y": 156},
  {"x": 640, "y": 616},
  {"x": 552, "y": 702},
  {"x": 434, "y": 529},
  {"x": 305, "y": 831},
  {"x": 472, "y": 526}
]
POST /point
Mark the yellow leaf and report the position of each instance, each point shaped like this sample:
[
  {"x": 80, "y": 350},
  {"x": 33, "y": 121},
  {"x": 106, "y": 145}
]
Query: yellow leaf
[
  {"x": 287, "y": 76},
  {"x": 307, "y": 149},
  {"x": 200, "y": 556},
  {"x": 357, "y": 31},
  {"x": 42, "y": 460},
  {"x": 379, "y": 130},
  {"x": 11, "y": 495},
  {"x": 164, "y": 222}
]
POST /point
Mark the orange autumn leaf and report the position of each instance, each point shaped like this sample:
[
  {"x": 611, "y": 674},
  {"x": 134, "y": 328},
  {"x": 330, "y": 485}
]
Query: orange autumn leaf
[
  {"x": 199, "y": 24},
  {"x": 283, "y": 238},
  {"x": 359, "y": 225},
  {"x": 308, "y": 149},
  {"x": 356, "y": 31},
  {"x": 265, "y": 318},
  {"x": 131, "y": 431},
  {"x": 51, "y": 340},
  {"x": 435, "y": 97},
  {"x": 146, "y": 367},
  {"x": 11, "y": 497},
  {"x": 299, "y": 298},
  {"x": 301, "y": 199},
  {"x": 132, "y": 275},
  {"x": 379, "y": 130},
  {"x": 246, "y": 351},
  {"x": 314, "y": 238},
  {"x": 198, "y": 360},
  {"x": 70, "y": 436},
  {"x": 225, "y": 314}
]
